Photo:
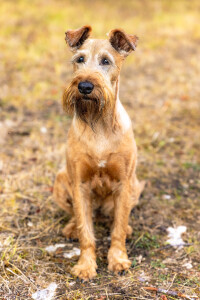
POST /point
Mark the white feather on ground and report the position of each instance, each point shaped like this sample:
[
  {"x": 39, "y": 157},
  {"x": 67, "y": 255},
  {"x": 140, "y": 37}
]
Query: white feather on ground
[
  {"x": 45, "y": 294},
  {"x": 174, "y": 235},
  {"x": 53, "y": 248},
  {"x": 73, "y": 252},
  {"x": 69, "y": 254}
]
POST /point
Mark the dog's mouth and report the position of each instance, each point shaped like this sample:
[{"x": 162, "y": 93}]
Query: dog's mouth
[{"x": 86, "y": 98}]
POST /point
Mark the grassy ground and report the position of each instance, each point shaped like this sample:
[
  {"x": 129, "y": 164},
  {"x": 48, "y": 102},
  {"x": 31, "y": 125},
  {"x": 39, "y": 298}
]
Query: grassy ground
[{"x": 160, "y": 90}]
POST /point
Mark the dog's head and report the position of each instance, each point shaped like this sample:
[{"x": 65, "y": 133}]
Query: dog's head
[{"x": 93, "y": 90}]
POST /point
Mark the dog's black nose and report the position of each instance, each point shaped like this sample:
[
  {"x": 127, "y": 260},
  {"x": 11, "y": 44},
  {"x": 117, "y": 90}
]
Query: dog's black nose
[{"x": 85, "y": 87}]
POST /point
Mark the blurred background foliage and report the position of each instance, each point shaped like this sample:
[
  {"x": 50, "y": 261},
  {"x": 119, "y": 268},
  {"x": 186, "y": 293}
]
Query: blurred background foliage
[{"x": 32, "y": 35}]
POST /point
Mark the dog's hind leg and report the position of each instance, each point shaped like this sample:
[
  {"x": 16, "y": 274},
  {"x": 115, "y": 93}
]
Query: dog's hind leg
[
  {"x": 137, "y": 189},
  {"x": 63, "y": 197}
]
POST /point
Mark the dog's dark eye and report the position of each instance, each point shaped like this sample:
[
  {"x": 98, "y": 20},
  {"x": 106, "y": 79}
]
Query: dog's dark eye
[
  {"x": 105, "y": 61},
  {"x": 80, "y": 60}
]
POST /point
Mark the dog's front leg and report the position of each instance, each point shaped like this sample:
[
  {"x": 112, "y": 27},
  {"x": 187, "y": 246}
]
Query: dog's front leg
[
  {"x": 86, "y": 267},
  {"x": 117, "y": 255}
]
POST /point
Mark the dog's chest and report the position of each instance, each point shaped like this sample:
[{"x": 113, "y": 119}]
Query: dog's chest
[
  {"x": 101, "y": 175},
  {"x": 100, "y": 147},
  {"x": 104, "y": 179}
]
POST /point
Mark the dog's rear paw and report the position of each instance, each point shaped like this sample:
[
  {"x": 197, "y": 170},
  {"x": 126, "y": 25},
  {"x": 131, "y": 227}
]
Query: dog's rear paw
[
  {"x": 85, "y": 271},
  {"x": 129, "y": 230},
  {"x": 118, "y": 260},
  {"x": 69, "y": 231}
]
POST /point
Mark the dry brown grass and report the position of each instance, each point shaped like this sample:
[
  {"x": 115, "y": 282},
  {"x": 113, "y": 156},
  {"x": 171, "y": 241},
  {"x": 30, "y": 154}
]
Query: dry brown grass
[{"x": 160, "y": 89}]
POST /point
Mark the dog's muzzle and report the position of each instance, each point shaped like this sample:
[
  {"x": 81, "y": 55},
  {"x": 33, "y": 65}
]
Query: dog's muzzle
[{"x": 85, "y": 87}]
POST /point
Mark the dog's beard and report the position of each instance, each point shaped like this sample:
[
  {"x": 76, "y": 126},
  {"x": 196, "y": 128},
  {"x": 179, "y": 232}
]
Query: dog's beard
[{"x": 88, "y": 108}]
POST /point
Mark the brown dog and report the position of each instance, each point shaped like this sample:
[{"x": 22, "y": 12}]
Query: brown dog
[{"x": 101, "y": 151}]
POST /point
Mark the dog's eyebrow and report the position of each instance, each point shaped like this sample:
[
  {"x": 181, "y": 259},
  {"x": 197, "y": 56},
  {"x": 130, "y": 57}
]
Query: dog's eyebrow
[{"x": 78, "y": 54}]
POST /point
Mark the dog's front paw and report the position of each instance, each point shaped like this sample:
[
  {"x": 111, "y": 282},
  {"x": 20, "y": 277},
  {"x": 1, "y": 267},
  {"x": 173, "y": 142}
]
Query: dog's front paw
[
  {"x": 85, "y": 271},
  {"x": 118, "y": 260}
]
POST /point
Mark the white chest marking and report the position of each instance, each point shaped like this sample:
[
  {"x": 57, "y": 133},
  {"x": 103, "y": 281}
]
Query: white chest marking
[{"x": 102, "y": 163}]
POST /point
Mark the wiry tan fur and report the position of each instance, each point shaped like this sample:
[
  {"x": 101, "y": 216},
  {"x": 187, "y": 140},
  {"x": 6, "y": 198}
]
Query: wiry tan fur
[{"x": 101, "y": 151}]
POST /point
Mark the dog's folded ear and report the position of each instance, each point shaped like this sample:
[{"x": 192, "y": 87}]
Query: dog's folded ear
[
  {"x": 76, "y": 38},
  {"x": 122, "y": 42}
]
